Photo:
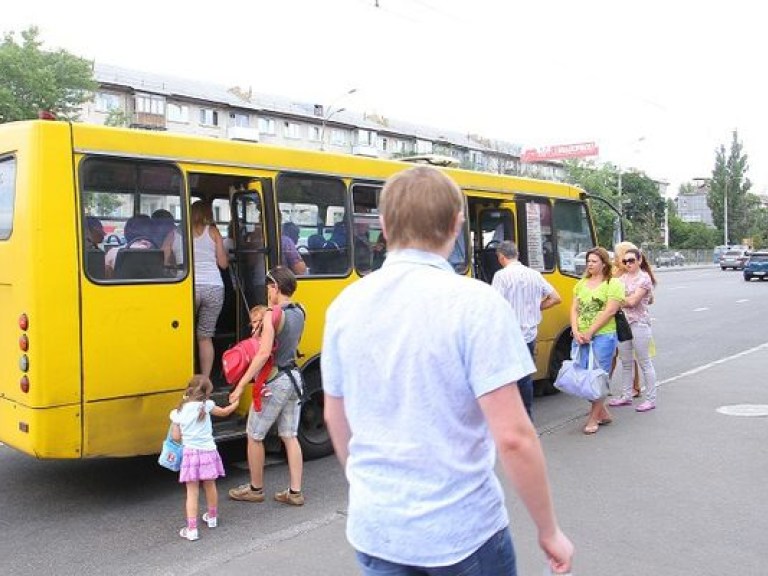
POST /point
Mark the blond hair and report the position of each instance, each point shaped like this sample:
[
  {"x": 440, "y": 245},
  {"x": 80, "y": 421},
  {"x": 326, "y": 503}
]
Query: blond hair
[
  {"x": 201, "y": 213},
  {"x": 618, "y": 254},
  {"x": 258, "y": 312},
  {"x": 419, "y": 208}
]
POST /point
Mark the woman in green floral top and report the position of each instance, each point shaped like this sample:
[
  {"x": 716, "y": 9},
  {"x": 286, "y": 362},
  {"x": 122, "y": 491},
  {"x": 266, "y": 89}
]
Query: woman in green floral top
[{"x": 596, "y": 299}]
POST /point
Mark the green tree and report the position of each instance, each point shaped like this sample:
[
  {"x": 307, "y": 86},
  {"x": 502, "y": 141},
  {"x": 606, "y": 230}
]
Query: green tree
[
  {"x": 33, "y": 80},
  {"x": 729, "y": 182},
  {"x": 598, "y": 181},
  {"x": 117, "y": 117},
  {"x": 643, "y": 208}
]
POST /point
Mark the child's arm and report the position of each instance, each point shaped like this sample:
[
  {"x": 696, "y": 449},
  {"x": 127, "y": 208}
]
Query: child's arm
[
  {"x": 224, "y": 410},
  {"x": 176, "y": 433}
]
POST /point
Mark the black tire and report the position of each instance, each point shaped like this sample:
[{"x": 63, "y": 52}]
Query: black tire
[
  {"x": 312, "y": 434},
  {"x": 561, "y": 352}
]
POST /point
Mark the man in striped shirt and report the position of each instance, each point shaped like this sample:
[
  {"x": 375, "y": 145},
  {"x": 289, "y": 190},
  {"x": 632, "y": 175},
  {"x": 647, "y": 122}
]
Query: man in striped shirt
[{"x": 528, "y": 293}]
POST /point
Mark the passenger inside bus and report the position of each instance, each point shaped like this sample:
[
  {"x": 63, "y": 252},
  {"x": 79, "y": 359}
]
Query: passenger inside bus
[
  {"x": 167, "y": 237},
  {"x": 121, "y": 262},
  {"x": 290, "y": 254},
  {"x": 379, "y": 252},
  {"x": 362, "y": 244},
  {"x": 94, "y": 233}
]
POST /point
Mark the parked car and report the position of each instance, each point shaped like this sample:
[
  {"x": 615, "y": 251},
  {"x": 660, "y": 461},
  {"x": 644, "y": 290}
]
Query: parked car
[
  {"x": 580, "y": 262},
  {"x": 733, "y": 259},
  {"x": 667, "y": 258},
  {"x": 756, "y": 266}
]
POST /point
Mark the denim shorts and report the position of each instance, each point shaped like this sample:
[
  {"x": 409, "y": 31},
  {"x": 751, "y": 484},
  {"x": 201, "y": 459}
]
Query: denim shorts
[
  {"x": 494, "y": 558},
  {"x": 281, "y": 405},
  {"x": 604, "y": 346}
]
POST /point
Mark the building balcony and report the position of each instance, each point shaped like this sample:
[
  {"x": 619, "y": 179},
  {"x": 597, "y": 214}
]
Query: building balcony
[
  {"x": 365, "y": 150},
  {"x": 243, "y": 133},
  {"x": 149, "y": 121}
]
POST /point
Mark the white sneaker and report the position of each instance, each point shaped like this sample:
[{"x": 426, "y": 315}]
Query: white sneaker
[
  {"x": 211, "y": 521},
  {"x": 189, "y": 534}
]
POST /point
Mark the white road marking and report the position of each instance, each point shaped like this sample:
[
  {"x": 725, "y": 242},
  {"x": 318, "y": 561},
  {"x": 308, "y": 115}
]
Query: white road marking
[
  {"x": 700, "y": 309},
  {"x": 713, "y": 364},
  {"x": 742, "y": 300}
]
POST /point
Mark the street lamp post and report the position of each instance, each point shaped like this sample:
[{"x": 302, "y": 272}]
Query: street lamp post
[
  {"x": 330, "y": 113},
  {"x": 725, "y": 211}
]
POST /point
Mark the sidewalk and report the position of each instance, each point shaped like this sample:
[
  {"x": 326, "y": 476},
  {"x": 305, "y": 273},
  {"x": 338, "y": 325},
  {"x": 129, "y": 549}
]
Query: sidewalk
[{"x": 675, "y": 492}]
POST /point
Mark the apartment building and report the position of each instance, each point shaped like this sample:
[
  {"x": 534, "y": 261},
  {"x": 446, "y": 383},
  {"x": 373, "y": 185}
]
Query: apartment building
[
  {"x": 153, "y": 102},
  {"x": 692, "y": 205}
]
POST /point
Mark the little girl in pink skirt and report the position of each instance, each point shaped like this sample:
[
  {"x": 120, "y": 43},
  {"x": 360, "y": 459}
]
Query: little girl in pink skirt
[{"x": 200, "y": 461}]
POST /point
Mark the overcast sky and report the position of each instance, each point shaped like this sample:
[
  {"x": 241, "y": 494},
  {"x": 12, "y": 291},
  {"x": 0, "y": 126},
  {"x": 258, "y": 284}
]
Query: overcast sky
[{"x": 656, "y": 86}]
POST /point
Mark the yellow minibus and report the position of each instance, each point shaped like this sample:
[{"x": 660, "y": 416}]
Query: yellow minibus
[{"x": 97, "y": 335}]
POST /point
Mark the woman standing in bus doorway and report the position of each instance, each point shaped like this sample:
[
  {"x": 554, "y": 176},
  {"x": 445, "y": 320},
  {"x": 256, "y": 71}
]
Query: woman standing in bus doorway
[
  {"x": 209, "y": 256},
  {"x": 638, "y": 281},
  {"x": 596, "y": 299},
  {"x": 200, "y": 460}
]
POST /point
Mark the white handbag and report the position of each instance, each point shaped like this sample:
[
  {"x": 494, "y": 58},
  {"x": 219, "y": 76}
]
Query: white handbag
[{"x": 590, "y": 383}]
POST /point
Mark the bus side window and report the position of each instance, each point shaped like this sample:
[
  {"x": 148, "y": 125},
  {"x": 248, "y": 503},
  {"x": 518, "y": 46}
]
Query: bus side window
[{"x": 315, "y": 206}]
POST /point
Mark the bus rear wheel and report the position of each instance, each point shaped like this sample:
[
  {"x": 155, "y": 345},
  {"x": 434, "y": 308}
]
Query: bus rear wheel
[{"x": 312, "y": 434}]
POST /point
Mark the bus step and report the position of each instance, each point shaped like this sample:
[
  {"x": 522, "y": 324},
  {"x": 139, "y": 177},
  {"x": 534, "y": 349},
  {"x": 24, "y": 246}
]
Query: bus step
[
  {"x": 228, "y": 429},
  {"x": 221, "y": 396}
]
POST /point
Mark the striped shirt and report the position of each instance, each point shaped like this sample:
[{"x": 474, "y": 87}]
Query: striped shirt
[{"x": 524, "y": 288}]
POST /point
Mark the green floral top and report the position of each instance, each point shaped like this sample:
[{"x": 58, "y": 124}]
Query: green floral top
[{"x": 592, "y": 302}]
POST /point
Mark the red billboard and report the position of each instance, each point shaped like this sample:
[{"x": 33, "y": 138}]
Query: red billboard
[{"x": 560, "y": 152}]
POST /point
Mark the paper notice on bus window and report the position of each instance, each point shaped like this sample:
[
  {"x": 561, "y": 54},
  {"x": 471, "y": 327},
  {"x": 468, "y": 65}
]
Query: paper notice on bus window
[{"x": 535, "y": 248}]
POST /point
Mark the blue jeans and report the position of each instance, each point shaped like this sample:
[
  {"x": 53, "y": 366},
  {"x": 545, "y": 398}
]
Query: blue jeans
[
  {"x": 604, "y": 346},
  {"x": 525, "y": 384},
  {"x": 494, "y": 558}
]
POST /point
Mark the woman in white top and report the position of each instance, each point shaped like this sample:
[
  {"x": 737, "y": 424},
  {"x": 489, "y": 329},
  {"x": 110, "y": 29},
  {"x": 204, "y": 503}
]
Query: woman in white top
[{"x": 209, "y": 256}]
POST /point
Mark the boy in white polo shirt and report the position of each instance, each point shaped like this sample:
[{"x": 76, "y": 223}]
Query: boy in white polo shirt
[{"x": 419, "y": 368}]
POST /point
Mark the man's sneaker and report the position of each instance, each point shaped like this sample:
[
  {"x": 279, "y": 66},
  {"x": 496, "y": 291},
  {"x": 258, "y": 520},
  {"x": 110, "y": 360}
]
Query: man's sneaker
[
  {"x": 212, "y": 521},
  {"x": 189, "y": 534},
  {"x": 246, "y": 494},
  {"x": 287, "y": 497},
  {"x": 645, "y": 406},
  {"x": 620, "y": 402}
]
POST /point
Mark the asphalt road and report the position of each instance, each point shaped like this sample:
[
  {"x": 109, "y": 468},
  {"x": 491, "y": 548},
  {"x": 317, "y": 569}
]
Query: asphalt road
[{"x": 677, "y": 491}]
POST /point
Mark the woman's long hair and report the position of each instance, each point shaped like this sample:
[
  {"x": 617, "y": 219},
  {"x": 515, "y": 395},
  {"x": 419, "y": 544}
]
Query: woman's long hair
[
  {"x": 645, "y": 266},
  {"x": 605, "y": 258}
]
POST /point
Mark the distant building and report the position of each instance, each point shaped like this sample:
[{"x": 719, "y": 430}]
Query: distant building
[
  {"x": 152, "y": 102},
  {"x": 692, "y": 206}
]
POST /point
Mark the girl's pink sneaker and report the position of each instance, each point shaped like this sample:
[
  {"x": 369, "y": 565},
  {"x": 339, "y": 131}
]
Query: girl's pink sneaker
[
  {"x": 645, "y": 406},
  {"x": 620, "y": 402}
]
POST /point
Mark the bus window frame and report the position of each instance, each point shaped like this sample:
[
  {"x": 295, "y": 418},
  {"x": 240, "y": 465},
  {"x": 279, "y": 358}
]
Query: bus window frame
[
  {"x": 585, "y": 209},
  {"x": 346, "y": 205},
  {"x": 7, "y": 232},
  {"x": 136, "y": 195}
]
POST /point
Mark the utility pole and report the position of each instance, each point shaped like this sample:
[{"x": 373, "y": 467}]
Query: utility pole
[
  {"x": 329, "y": 113},
  {"x": 725, "y": 210}
]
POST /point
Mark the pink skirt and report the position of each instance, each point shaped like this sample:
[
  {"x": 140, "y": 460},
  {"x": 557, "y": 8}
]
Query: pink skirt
[{"x": 198, "y": 465}]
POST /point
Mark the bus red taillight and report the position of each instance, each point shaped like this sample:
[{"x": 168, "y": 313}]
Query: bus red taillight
[
  {"x": 24, "y": 342},
  {"x": 23, "y": 322},
  {"x": 24, "y": 384}
]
